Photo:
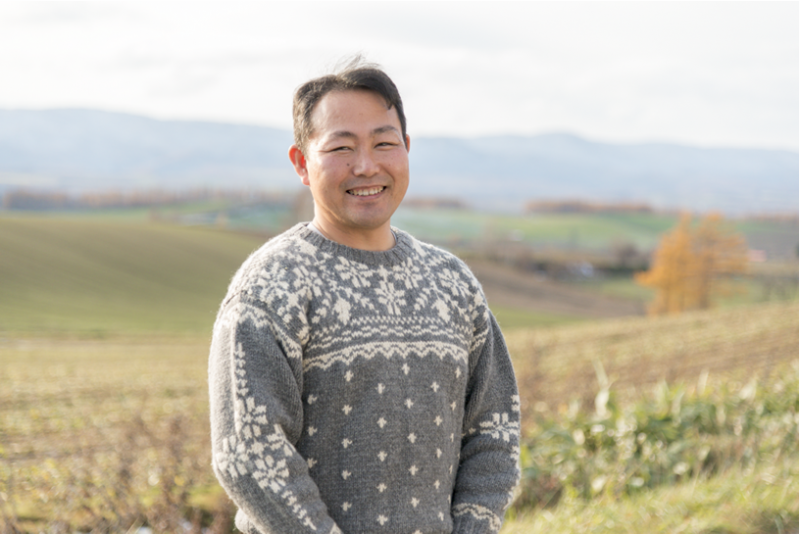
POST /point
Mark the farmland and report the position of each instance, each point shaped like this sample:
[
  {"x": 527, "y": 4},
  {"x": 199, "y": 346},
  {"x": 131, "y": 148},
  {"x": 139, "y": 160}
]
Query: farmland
[
  {"x": 100, "y": 277},
  {"x": 120, "y": 273},
  {"x": 631, "y": 424},
  {"x": 574, "y": 231},
  {"x": 99, "y": 432},
  {"x": 108, "y": 276},
  {"x": 591, "y": 231}
]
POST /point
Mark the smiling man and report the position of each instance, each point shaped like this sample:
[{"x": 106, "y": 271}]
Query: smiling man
[
  {"x": 357, "y": 167},
  {"x": 358, "y": 381}
]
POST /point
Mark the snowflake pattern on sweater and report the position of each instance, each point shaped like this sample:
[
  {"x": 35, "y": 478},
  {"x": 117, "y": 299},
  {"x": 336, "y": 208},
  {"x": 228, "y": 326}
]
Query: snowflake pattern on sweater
[{"x": 355, "y": 391}]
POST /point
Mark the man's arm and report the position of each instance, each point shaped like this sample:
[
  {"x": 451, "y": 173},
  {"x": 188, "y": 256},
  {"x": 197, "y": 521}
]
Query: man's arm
[
  {"x": 488, "y": 471},
  {"x": 256, "y": 418}
]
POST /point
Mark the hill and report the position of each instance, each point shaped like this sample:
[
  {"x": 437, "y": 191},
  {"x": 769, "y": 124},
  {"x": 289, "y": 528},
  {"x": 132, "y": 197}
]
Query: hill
[
  {"x": 120, "y": 272},
  {"x": 100, "y": 276},
  {"x": 88, "y": 150},
  {"x": 556, "y": 166},
  {"x": 84, "y": 150},
  {"x": 94, "y": 277}
]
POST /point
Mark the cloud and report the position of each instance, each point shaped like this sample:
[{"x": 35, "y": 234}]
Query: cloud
[{"x": 712, "y": 73}]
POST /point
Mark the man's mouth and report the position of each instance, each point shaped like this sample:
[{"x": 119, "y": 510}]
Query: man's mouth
[{"x": 367, "y": 191}]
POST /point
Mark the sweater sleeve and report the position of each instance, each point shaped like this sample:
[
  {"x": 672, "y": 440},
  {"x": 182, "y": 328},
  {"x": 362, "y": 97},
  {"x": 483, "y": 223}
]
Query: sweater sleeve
[
  {"x": 255, "y": 384},
  {"x": 489, "y": 464}
]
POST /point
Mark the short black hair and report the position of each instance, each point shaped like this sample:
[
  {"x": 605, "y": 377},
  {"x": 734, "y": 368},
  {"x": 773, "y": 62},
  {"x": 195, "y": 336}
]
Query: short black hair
[{"x": 356, "y": 75}]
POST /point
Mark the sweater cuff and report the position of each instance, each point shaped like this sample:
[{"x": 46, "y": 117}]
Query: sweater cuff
[{"x": 475, "y": 519}]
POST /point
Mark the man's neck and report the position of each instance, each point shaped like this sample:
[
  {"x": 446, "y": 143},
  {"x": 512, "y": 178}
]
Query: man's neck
[{"x": 377, "y": 240}]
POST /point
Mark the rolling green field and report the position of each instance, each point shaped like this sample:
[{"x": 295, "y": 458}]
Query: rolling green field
[
  {"x": 110, "y": 276},
  {"x": 92, "y": 277},
  {"x": 679, "y": 424},
  {"x": 590, "y": 231},
  {"x": 578, "y": 231},
  {"x": 120, "y": 273}
]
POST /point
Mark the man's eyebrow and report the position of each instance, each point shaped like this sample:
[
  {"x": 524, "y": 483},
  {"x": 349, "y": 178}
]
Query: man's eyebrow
[
  {"x": 343, "y": 133},
  {"x": 384, "y": 129},
  {"x": 377, "y": 131}
]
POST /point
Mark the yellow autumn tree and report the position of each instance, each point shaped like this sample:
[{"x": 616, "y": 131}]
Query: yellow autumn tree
[{"x": 693, "y": 264}]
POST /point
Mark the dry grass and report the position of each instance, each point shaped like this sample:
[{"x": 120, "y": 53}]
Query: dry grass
[
  {"x": 101, "y": 437},
  {"x": 557, "y": 365},
  {"x": 104, "y": 436}
]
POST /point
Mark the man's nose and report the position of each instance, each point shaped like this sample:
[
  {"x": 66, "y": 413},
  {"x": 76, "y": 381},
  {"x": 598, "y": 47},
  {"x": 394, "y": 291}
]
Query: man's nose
[{"x": 365, "y": 164}]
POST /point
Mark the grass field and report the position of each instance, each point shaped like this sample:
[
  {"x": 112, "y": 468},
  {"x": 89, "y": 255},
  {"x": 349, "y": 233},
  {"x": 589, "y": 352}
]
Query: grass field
[
  {"x": 580, "y": 231},
  {"x": 736, "y": 502},
  {"x": 556, "y": 365},
  {"x": 104, "y": 333},
  {"x": 115, "y": 432},
  {"x": 107, "y": 276},
  {"x": 100, "y": 277},
  {"x": 571, "y": 231},
  {"x": 102, "y": 435},
  {"x": 576, "y": 230}
]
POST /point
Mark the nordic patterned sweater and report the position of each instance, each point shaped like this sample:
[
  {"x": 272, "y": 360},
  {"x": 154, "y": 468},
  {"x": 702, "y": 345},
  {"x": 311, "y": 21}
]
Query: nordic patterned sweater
[{"x": 361, "y": 392}]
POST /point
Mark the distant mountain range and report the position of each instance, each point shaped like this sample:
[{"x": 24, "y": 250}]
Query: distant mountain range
[{"x": 79, "y": 150}]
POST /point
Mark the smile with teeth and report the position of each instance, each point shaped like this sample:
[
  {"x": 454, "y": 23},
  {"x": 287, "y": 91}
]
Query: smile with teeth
[{"x": 366, "y": 192}]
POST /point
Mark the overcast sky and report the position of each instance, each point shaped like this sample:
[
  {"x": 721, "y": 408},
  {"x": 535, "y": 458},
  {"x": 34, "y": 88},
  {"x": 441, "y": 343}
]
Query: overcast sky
[{"x": 711, "y": 73}]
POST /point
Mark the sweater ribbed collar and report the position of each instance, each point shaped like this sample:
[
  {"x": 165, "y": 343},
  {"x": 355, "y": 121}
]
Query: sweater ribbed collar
[{"x": 394, "y": 256}]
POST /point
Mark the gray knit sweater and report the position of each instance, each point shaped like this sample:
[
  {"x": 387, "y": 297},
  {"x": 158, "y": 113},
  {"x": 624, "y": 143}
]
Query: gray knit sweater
[{"x": 361, "y": 392}]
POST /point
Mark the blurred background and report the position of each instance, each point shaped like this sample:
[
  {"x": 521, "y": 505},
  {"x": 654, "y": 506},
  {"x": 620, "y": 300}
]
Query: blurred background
[{"x": 621, "y": 177}]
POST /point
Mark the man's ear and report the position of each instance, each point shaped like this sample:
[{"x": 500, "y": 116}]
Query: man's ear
[
  {"x": 408, "y": 143},
  {"x": 299, "y": 162}
]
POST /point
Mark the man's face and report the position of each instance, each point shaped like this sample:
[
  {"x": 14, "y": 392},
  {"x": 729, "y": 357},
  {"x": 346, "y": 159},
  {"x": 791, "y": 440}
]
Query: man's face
[{"x": 356, "y": 163}]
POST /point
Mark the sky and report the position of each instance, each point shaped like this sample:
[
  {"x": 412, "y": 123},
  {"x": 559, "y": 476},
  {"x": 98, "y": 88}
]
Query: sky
[{"x": 696, "y": 73}]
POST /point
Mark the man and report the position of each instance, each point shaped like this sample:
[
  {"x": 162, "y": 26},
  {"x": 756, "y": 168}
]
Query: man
[{"x": 358, "y": 381}]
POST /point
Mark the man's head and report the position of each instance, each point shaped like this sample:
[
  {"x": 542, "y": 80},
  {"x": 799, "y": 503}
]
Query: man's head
[
  {"x": 351, "y": 150},
  {"x": 356, "y": 75}
]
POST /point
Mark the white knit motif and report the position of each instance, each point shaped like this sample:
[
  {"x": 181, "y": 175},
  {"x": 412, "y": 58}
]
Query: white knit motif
[
  {"x": 242, "y": 312},
  {"x": 387, "y": 349},
  {"x": 380, "y": 326},
  {"x": 453, "y": 282},
  {"x": 500, "y": 427},
  {"x": 390, "y": 297},
  {"x": 255, "y": 450},
  {"x": 412, "y": 283},
  {"x": 480, "y": 337},
  {"x": 425, "y": 282},
  {"x": 480, "y": 513},
  {"x": 515, "y": 403}
]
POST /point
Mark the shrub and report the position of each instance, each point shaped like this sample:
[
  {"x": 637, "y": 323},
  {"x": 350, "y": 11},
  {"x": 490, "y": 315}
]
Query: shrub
[{"x": 669, "y": 436}]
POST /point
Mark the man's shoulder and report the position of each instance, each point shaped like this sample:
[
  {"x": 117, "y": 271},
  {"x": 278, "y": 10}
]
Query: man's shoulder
[
  {"x": 279, "y": 254},
  {"x": 429, "y": 252},
  {"x": 435, "y": 257}
]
